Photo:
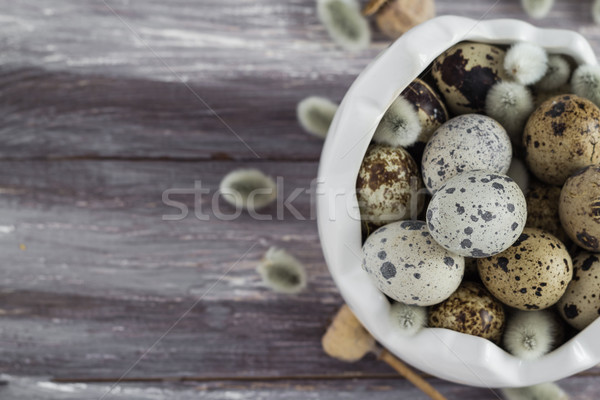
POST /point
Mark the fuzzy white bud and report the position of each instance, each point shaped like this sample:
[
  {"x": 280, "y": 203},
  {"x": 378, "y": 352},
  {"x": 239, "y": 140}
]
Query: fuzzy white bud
[
  {"x": 586, "y": 82},
  {"x": 248, "y": 189},
  {"x": 530, "y": 334},
  {"x": 544, "y": 391},
  {"x": 344, "y": 23},
  {"x": 526, "y": 62},
  {"x": 510, "y": 104},
  {"x": 399, "y": 126},
  {"x": 315, "y": 115},
  {"x": 407, "y": 319},
  {"x": 282, "y": 272}
]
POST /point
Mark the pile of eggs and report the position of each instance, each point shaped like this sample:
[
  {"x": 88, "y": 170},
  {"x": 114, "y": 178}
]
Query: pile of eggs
[{"x": 480, "y": 195}]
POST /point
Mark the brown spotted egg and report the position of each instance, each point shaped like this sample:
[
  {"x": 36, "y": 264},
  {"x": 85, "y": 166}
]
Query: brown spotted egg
[
  {"x": 532, "y": 274},
  {"x": 542, "y": 209},
  {"x": 561, "y": 136},
  {"x": 477, "y": 214},
  {"x": 429, "y": 106},
  {"x": 466, "y": 72},
  {"x": 579, "y": 208},
  {"x": 406, "y": 264},
  {"x": 471, "y": 310},
  {"x": 465, "y": 143},
  {"x": 387, "y": 180},
  {"x": 580, "y": 305}
]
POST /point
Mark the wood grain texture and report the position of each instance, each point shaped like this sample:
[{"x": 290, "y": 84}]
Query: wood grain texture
[
  {"x": 142, "y": 79},
  {"x": 580, "y": 388},
  {"x": 102, "y": 276},
  {"x": 104, "y": 106}
]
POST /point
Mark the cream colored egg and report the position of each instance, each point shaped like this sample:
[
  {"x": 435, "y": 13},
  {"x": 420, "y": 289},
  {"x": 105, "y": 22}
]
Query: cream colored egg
[
  {"x": 387, "y": 186},
  {"x": 407, "y": 265},
  {"x": 580, "y": 305},
  {"x": 465, "y": 143},
  {"x": 532, "y": 274},
  {"x": 477, "y": 214},
  {"x": 466, "y": 72}
]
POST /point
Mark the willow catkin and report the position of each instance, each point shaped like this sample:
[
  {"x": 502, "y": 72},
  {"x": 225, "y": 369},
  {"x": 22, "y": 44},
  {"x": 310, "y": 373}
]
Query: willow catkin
[
  {"x": 537, "y": 8},
  {"x": 586, "y": 82},
  {"x": 248, "y": 189},
  {"x": 344, "y": 23},
  {"x": 315, "y": 114},
  {"x": 406, "y": 319},
  {"x": 399, "y": 126},
  {"x": 526, "y": 63},
  {"x": 544, "y": 391},
  {"x": 510, "y": 104},
  {"x": 530, "y": 334},
  {"x": 282, "y": 272},
  {"x": 557, "y": 74}
]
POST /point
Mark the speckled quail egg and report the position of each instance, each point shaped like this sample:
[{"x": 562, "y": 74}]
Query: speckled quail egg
[
  {"x": 466, "y": 72},
  {"x": 532, "y": 274},
  {"x": 429, "y": 106},
  {"x": 579, "y": 208},
  {"x": 387, "y": 185},
  {"x": 408, "y": 265},
  {"x": 465, "y": 143},
  {"x": 471, "y": 310},
  {"x": 560, "y": 138},
  {"x": 580, "y": 305},
  {"x": 542, "y": 209},
  {"x": 477, "y": 214}
]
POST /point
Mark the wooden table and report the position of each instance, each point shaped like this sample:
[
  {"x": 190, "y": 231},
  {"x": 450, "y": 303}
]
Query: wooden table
[{"x": 105, "y": 106}]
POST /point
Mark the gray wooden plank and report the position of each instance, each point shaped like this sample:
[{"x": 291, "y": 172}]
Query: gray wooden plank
[
  {"x": 85, "y": 115},
  {"x": 76, "y": 80},
  {"x": 185, "y": 39},
  {"x": 199, "y": 40},
  {"x": 579, "y": 388},
  {"x": 92, "y": 275},
  {"x": 88, "y": 219}
]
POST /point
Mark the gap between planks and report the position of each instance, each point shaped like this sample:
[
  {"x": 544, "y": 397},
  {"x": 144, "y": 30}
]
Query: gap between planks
[
  {"x": 280, "y": 378},
  {"x": 213, "y": 158},
  {"x": 349, "y": 376}
]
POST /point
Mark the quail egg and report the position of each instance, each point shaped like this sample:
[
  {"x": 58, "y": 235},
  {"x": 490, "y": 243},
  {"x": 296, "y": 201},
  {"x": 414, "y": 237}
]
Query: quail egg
[
  {"x": 477, "y": 214},
  {"x": 429, "y": 106},
  {"x": 465, "y": 143},
  {"x": 407, "y": 265},
  {"x": 471, "y": 310},
  {"x": 580, "y": 305},
  {"x": 561, "y": 137},
  {"x": 579, "y": 208},
  {"x": 387, "y": 185},
  {"x": 532, "y": 274},
  {"x": 466, "y": 72}
]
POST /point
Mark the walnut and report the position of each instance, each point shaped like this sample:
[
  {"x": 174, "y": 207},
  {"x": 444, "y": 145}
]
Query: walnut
[{"x": 394, "y": 17}]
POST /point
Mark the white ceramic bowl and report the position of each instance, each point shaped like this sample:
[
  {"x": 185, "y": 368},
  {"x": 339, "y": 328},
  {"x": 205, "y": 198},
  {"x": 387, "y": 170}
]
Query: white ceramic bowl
[{"x": 444, "y": 353}]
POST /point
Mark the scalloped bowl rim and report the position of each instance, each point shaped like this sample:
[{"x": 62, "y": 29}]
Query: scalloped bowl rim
[{"x": 444, "y": 353}]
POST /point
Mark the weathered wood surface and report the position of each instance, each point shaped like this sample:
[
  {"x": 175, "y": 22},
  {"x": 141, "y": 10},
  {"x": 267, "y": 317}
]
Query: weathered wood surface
[
  {"x": 79, "y": 81},
  {"x": 105, "y": 105},
  {"x": 581, "y": 387}
]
